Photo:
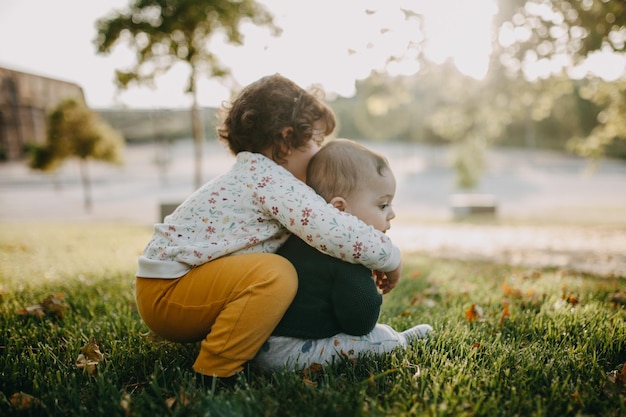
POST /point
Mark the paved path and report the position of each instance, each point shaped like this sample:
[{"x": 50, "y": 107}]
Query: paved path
[
  {"x": 551, "y": 210},
  {"x": 594, "y": 249}
]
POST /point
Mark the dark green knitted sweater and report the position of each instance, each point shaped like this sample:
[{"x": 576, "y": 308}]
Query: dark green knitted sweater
[{"x": 333, "y": 296}]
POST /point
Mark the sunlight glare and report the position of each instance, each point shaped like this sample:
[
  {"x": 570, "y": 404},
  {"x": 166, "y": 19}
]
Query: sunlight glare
[
  {"x": 327, "y": 42},
  {"x": 319, "y": 45},
  {"x": 605, "y": 64},
  {"x": 460, "y": 30}
]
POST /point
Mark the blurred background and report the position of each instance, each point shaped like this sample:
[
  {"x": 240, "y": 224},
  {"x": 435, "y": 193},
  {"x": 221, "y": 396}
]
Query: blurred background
[{"x": 504, "y": 120}]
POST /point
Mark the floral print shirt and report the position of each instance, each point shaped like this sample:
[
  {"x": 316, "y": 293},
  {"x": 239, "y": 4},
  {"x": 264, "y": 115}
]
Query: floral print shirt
[{"x": 254, "y": 208}]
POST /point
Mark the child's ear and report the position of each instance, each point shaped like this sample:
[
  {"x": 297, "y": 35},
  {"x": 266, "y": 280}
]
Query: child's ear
[
  {"x": 339, "y": 203},
  {"x": 286, "y": 132}
]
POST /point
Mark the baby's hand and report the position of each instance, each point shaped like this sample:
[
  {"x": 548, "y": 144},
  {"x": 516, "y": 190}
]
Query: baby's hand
[
  {"x": 380, "y": 278},
  {"x": 386, "y": 281}
]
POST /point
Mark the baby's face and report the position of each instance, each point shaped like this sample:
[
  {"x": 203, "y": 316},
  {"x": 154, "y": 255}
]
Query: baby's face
[{"x": 372, "y": 203}]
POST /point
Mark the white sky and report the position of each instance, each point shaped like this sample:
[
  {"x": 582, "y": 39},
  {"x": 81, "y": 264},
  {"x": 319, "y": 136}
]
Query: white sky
[{"x": 54, "y": 38}]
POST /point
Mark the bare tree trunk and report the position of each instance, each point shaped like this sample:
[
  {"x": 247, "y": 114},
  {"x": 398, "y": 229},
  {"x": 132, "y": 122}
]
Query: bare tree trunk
[
  {"x": 198, "y": 131},
  {"x": 161, "y": 157},
  {"x": 56, "y": 181},
  {"x": 86, "y": 182}
]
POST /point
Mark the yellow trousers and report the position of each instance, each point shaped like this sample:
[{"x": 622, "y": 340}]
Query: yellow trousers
[{"x": 231, "y": 304}]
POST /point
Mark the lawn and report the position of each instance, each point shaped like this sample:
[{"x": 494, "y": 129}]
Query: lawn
[{"x": 508, "y": 341}]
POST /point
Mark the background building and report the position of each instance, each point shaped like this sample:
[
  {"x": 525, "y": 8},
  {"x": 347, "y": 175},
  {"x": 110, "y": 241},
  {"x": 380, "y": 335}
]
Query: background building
[{"x": 25, "y": 100}]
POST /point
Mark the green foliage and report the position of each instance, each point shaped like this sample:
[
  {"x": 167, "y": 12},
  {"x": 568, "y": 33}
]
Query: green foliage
[
  {"x": 611, "y": 123},
  {"x": 436, "y": 105},
  {"x": 42, "y": 157},
  {"x": 468, "y": 162},
  {"x": 163, "y": 32},
  {"x": 560, "y": 351},
  {"x": 573, "y": 27},
  {"x": 383, "y": 112},
  {"x": 440, "y": 105},
  {"x": 76, "y": 131}
]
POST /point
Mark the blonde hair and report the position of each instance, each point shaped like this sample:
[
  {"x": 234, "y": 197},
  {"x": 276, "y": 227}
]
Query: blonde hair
[{"x": 343, "y": 166}]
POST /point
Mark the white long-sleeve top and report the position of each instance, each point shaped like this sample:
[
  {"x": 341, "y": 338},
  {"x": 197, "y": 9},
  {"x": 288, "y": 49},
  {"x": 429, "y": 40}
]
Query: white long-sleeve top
[{"x": 254, "y": 207}]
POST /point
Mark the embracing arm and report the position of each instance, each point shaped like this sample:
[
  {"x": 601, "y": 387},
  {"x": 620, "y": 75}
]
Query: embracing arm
[{"x": 338, "y": 234}]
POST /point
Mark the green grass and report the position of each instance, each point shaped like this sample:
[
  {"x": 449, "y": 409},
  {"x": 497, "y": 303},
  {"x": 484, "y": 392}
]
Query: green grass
[{"x": 560, "y": 352}]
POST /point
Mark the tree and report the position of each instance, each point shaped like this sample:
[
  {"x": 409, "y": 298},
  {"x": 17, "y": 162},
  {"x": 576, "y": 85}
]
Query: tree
[
  {"x": 546, "y": 28},
  {"x": 73, "y": 130},
  {"x": 439, "y": 103},
  {"x": 164, "y": 32},
  {"x": 611, "y": 97},
  {"x": 570, "y": 31}
]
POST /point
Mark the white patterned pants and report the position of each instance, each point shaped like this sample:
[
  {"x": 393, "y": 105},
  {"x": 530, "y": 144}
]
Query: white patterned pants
[{"x": 280, "y": 352}]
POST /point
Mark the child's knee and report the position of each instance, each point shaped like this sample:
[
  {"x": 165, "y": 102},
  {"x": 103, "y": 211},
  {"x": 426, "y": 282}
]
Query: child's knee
[
  {"x": 279, "y": 277},
  {"x": 285, "y": 275}
]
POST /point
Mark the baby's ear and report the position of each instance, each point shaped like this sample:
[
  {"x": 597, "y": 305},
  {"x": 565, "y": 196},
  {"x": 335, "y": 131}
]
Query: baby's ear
[
  {"x": 339, "y": 203},
  {"x": 286, "y": 132}
]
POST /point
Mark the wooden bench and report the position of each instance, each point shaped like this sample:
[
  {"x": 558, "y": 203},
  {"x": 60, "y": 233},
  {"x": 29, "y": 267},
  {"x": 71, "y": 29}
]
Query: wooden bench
[
  {"x": 471, "y": 205},
  {"x": 167, "y": 208}
]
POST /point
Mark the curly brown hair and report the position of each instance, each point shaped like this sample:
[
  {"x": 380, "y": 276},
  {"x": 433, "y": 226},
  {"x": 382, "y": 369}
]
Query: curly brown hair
[{"x": 256, "y": 119}]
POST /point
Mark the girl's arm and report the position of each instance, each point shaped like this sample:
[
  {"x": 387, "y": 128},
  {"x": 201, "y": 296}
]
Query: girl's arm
[{"x": 341, "y": 235}]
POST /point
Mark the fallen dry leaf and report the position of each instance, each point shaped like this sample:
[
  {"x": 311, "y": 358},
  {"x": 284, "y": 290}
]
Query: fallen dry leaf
[
  {"x": 530, "y": 274},
  {"x": 571, "y": 299},
  {"x": 23, "y": 401},
  {"x": 314, "y": 368},
  {"x": 89, "y": 357},
  {"x": 309, "y": 383},
  {"x": 35, "y": 310},
  {"x": 505, "y": 313},
  {"x": 618, "y": 299},
  {"x": 511, "y": 292},
  {"x": 474, "y": 313},
  {"x": 169, "y": 402},
  {"x": 417, "y": 298},
  {"x": 53, "y": 305},
  {"x": 615, "y": 386},
  {"x": 618, "y": 377},
  {"x": 415, "y": 274}
]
